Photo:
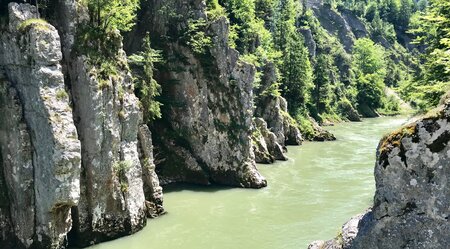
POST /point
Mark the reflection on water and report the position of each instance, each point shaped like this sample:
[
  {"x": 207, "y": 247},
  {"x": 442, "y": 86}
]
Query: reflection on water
[{"x": 308, "y": 198}]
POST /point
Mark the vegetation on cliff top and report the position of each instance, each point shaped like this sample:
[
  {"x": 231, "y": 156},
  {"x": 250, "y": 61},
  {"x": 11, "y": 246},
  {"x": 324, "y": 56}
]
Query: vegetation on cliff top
[{"x": 327, "y": 83}]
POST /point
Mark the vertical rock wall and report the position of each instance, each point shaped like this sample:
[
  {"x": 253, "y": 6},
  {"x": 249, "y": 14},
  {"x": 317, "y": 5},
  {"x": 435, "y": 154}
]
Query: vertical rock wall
[
  {"x": 70, "y": 149},
  {"x": 31, "y": 56},
  {"x": 204, "y": 135},
  {"x": 16, "y": 172},
  {"x": 112, "y": 199}
]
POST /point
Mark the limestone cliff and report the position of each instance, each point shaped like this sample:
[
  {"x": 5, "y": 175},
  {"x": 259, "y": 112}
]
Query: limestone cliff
[
  {"x": 76, "y": 161},
  {"x": 30, "y": 55},
  {"x": 410, "y": 207},
  {"x": 71, "y": 159},
  {"x": 204, "y": 134}
]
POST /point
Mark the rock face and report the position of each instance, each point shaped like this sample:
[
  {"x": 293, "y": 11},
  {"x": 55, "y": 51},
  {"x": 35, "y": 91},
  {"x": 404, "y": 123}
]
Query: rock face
[
  {"x": 412, "y": 188},
  {"x": 204, "y": 135},
  {"x": 320, "y": 134},
  {"x": 273, "y": 121},
  {"x": 112, "y": 200},
  {"x": 31, "y": 53},
  {"x": 309, "y": 42},
  {"x": 16, "y": 171},
  {"x": 71, "y": 163},
  {"x": 153, "y": 192},
  {"x": 334, "y": 23},
  {"x": 268, "y": 149},
  {"x": 357, "y": 27}
]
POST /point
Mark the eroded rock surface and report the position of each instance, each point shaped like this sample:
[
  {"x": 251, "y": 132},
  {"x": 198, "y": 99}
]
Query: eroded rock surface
[
  {"x": 268, "y": 149},
  {"x": 204, "y": 135},
  {"x": 273, "y": 110},
  {"x": 31, "y": 55},
  {"x": 69, "y": 147},
  {"x": 412, "y": 172}
]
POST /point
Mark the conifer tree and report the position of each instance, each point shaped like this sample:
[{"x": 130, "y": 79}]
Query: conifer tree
[
  {"x": 321, "y": 95},
  {"x": 295, "y": 67}
]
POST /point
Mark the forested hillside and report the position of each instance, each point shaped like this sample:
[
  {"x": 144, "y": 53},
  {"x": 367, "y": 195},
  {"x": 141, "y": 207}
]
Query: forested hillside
[{"x": 333, "y": 59}]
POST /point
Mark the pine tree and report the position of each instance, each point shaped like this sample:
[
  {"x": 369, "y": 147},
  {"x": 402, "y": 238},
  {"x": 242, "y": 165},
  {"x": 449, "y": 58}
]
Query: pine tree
[
  {"x": 321, "y": 95},
  {"x": 295, "y": 67}
]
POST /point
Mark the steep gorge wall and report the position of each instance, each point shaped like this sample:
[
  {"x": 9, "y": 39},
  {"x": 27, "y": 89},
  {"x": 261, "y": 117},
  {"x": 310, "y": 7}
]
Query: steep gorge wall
[
  {"x": 204, "y": 134},
  {"x": 71, "y": 159},
  {"x": 31, "y": 55},
  {"x": 75, "y": 150}
]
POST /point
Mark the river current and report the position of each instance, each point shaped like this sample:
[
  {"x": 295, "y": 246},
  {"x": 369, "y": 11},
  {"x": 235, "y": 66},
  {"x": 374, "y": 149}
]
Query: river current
[{"x": 308, "y": 198}]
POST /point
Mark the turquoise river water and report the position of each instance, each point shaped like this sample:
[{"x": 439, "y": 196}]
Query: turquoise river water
[{"x": 308, "y": 198}]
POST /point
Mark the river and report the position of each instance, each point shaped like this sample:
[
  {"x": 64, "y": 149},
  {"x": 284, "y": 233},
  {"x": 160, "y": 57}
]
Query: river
[{"x": 309, "y": 197}]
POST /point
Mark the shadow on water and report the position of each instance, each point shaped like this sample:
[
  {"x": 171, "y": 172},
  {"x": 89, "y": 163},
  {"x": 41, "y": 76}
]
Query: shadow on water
[{"x": 178, "y": 187}]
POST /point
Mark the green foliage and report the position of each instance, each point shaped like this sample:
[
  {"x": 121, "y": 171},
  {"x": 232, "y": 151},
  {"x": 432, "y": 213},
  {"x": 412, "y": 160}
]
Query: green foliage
[
  {"x": 251, "y": 37},
  {"x": 120, "y": 170},
  {"x": 295, "y": 67},
  {"x": 195, "y": 36},
  {"x": 322, "y": 93},
  {"x": 61, "y": 94},
  {"x": 112, "y": 14},
  {"x": 369, "y": 67},
  {"x": 305, "y": 125},
  {"x": 146, "y": 88},
  {"x": 368, "y": 58},
  {"x": 432, "y": 29},
  {"x": 214, "y": 10},
  {"x": 390, "y": 106}
]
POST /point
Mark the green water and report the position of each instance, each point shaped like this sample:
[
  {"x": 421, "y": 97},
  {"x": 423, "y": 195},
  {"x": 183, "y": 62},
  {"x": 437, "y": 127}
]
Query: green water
[{"x": 308, "y": 198}]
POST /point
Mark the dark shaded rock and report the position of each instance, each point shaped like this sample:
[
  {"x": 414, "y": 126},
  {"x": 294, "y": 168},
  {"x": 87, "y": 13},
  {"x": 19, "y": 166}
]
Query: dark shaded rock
[
  {"x": 335, "y": 24},
  {"x": 153, "y": 192},
  {"x": 358, "y": 28},
  {"x": 367, "y": 111},
  {"x": 346, "y": 109},
  {"x": 309, "y": 42},
  {"x": 205, "y": 134},
  {"x": 320, "y": 134}
]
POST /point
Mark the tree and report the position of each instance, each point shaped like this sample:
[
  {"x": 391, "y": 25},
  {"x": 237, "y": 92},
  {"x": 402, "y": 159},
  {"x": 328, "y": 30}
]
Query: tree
[
  {"x": 433, "y": 30},
  {"x": 296, "y": 73},
  {"x": 405, "y": 13},
  {"x": 369, "y": 70},
  {"x": 322, "y": 93},
  {"x": 295, "y": 67},
  {"x": 112, "y": 14},
  {"x": 147, "y": 89}
]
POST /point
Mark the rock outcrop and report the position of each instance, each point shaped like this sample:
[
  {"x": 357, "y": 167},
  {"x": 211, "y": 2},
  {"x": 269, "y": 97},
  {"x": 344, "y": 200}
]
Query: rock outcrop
[
  {"x": 266, "y": 146},
  {"x": 410, "y": 207},
  {"x": 31, "y": 55},
  {"x": 204, "y": 134},
  {"x": 334, "y": 23},
  {"x": 112, "y": 200},
  {"x": 273, "y": 121},
  {"x": 152, "y": 190},
  {"x": 72, "y": 168}
]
